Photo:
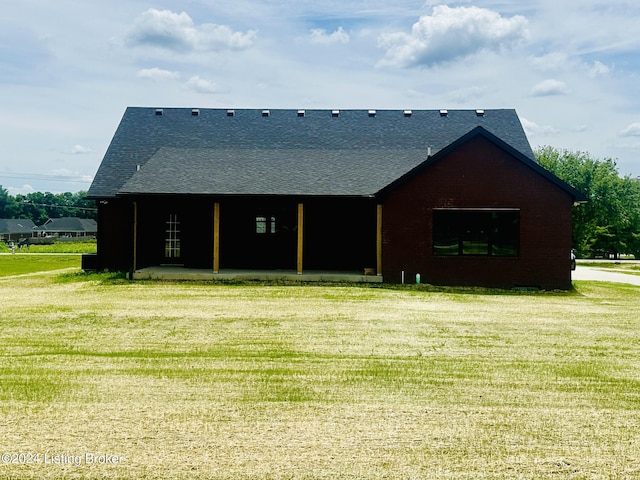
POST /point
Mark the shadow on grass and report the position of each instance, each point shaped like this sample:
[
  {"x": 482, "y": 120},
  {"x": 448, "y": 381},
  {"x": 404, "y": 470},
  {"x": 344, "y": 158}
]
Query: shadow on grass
[
  {"x": 106, "y": 277},
  {"x": 121, "y": 277}
]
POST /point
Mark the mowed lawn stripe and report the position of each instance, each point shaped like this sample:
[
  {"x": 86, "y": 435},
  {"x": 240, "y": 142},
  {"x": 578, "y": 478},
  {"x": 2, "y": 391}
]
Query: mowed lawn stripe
[{"x": 282, "y": 381}]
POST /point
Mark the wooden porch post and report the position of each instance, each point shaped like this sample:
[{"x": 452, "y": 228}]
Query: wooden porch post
[
  {"x": 379, "y": 241},
  {"x": 300, "y": 236},
  {"x": 135, "y": 236},
  {"x": 216, "y": 237}
]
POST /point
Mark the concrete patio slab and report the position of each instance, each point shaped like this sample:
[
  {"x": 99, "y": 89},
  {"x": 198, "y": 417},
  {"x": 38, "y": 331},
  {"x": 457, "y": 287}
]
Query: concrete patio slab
[{"x": 172, "y": 272}]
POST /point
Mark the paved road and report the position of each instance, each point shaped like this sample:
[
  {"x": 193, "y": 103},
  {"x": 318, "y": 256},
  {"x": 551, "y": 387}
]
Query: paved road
[{"x": 590, "y": 273}]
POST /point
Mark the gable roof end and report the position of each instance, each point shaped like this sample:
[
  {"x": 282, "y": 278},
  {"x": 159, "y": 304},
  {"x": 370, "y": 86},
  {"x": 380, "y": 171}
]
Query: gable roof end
[{"x": 577, "y": 196}]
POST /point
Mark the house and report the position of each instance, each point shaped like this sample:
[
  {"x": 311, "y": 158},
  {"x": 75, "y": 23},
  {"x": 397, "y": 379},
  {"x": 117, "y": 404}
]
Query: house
[
  {"x": 13, "y": 229},
  {"x": 68, "y": 227},
  {"x": 455, "y": 196}
]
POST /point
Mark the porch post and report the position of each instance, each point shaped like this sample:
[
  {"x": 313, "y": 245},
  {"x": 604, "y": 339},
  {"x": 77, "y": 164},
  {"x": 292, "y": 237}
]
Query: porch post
[
  {"x": 135, "y": 236},
  {"x": 379, "y": 241},
  {"x": 216, "y": 237},
  {"x": 300, "y": 236}
]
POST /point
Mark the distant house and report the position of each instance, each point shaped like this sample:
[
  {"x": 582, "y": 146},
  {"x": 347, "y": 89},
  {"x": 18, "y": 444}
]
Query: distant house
[
  {"x": 455, "y": 196},
  {"x": 68, "y": 227},
  {"x": 14, "y": 229}
]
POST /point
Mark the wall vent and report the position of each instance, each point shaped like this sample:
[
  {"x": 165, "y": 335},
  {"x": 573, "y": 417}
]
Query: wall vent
[
  {"x": 301, "y": 113},
  {"x": 231, "y": 113},
  {"x": 372, "y": 113},
  {"x": 159, "y": 111},
  {"x": 335, "y": 113},
  {"x": 265, "y": 113},
  {"x": 195, "y": 112},
  {"x": 444, "y": 112},
  {"x": 480, "y": 113},
  {"x": 407, "y": 113}
]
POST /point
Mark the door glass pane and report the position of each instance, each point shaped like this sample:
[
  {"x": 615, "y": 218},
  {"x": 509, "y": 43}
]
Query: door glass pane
[{"x": 172, "y": 237}]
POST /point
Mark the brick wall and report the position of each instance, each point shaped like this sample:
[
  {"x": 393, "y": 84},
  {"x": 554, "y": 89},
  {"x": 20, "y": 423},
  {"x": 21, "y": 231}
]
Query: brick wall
[{"x": 479, "y": 174}]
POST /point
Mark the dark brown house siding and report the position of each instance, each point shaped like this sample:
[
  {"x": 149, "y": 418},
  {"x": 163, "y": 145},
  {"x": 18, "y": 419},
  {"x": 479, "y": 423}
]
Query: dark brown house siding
[
  {"x": 479, "y": 175},
  {"x": 115, "y": 240}
]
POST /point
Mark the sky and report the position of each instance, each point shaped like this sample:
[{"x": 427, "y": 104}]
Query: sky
[{"x": 69, "y": 69}]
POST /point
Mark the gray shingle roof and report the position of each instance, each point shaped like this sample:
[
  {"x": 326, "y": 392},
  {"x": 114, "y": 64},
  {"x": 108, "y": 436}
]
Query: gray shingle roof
[
  {"x": 69, "y": 224},
  {"x": 16, "y": 225},
  {"x": 284, "y": 152}
]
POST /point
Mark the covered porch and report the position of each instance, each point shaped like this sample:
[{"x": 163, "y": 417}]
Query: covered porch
[{"x": 257, "y": 237}]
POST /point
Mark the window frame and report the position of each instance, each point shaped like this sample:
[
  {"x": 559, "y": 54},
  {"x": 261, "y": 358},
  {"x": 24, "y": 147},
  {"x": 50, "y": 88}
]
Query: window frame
[
  {"x": 265, "y": 224},
  {"x": 172, "y": 241},
  {"x": 476, "y": 232}
]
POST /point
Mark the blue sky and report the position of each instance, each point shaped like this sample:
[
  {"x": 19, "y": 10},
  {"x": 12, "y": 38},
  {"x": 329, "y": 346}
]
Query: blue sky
[{"x": 69, "y": 69}]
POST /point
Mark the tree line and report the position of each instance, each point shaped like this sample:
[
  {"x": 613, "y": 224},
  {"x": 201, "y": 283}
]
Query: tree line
[
  {"x": 607, "y": 225},
  {"x": 39, "y": 207}
]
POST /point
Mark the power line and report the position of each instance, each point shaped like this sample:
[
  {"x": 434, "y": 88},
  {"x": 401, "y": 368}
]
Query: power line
[
  {"x": 42, "y": 176},
  {"x": 89, "y": 209}
]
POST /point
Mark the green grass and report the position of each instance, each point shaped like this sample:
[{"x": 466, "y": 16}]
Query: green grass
[
  {"x": 87, "y": 246},
  {"x": 75, "y": 247},
  {"x": 632, "y": 268},
  {"x": 195, "y": 380},
  {"x": 21, "y": 264}
]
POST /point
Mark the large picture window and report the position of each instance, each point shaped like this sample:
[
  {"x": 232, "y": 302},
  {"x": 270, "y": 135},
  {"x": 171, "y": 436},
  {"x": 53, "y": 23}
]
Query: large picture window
[{"x": 476, "y": 232}]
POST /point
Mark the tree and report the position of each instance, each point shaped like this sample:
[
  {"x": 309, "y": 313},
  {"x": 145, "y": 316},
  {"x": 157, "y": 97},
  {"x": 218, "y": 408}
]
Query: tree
[
  {"x": 609, "y": 224},
  {"x": 8, "y": 205},
  {"x": 39, "y": 206}
]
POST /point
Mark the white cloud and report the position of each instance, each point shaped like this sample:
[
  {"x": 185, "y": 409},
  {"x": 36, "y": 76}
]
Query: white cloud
[
  {"x": 632, "y": 130},
  {"x": 177, "y": 32},
  {"x": 72, "y": 175},
  {"x": 550, "y": 61},
  {"x": 157, "y": 74},
  {"x": 598, "y": 69},
  {"x": 320, "y": 36},
  {"x": 79, "y": 150},
  {"x": 452, "y": 33},
  {"x": 550, "y": 87},
  {"x": 465, "y": 95},
  {"x": 533, "y": 129},
  {"x": 201, "y": 85},
  {"x": 23, "y": 190}
]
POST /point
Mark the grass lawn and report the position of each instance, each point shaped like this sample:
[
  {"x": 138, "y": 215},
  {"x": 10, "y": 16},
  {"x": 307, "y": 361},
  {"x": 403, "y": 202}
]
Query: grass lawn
[
  {"x": 632, "y": 268},
  {"x": 193, "y": 380},
  {"x": 21, "y": 264}
]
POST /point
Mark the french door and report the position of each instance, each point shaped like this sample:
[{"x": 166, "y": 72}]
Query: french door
[{"x": 172, "y": 240}]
